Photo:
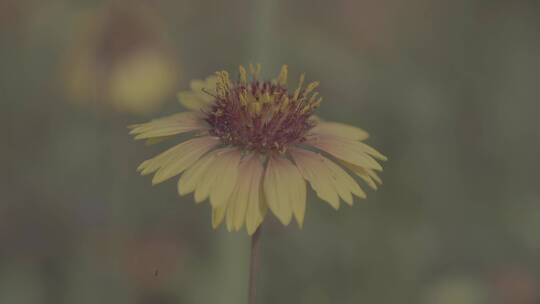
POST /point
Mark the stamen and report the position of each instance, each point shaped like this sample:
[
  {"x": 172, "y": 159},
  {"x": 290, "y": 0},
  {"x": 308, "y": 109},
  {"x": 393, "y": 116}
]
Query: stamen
[
  {"x": 243, "y": 75},
  {"x": 261, "y": 116},
  {"x": 282, "y": 78}
]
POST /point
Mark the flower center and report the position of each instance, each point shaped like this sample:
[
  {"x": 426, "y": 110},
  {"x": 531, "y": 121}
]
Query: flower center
[{"x": 261, "y": 116}]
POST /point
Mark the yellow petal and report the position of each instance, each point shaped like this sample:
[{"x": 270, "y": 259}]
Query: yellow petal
[
  {"x": 201, "y": 95},
  {"x": 297, "y": 187},
  {"x": 226, "y": 168},
  {"x": 344, "y": 183},
  {"x": 294, "y": 187},
  {"x": 137, "y": 128},
  {"x": 170, "y": 125},
  {"x": 231, "y": 205},
  {"x": 189, "y": 152},
  {"x": 364, "y": 174},
  {"x": 205, "y": 181},
  {"x": 276, "y": 190},
  {"x": 254, "y": 212},
  {"x": 205, "y": 88},
  {"x": 153, "y": 164},
  {"x": 340, "y": 130},
  {"x": 192, "y": 100},
  {"x": 374, "y": 176},
  {"x": 218, "y": 214},
  {"x": 161, "y": 160},
  {"x": 213, "y": 176},
  {"x": 203, "y": 189},
  {"x": 247, "y": 184},
  {"x": 343, "y": 192},
  {"x": 248, "y": 188},
  {"x": 371, "y": 151},
  {"x": 188, "y": 181},
  {"x": 350, "y": 151},
  {"x": 317, "y": 173}
]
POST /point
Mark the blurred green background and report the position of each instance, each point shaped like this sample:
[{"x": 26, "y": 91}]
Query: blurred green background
[{"x": 448, "y": 90}]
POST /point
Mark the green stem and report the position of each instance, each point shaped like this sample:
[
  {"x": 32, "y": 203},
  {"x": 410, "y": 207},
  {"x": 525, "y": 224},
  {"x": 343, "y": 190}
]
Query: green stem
[{"x": 254, "y": 265}]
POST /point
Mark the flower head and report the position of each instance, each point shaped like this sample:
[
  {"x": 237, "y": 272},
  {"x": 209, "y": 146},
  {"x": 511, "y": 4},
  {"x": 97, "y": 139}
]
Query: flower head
[{"x": 255, "y": 144}]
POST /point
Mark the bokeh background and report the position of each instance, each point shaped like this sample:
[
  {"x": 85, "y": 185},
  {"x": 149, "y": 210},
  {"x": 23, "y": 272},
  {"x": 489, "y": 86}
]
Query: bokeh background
[{"x": 449, "y": 91}]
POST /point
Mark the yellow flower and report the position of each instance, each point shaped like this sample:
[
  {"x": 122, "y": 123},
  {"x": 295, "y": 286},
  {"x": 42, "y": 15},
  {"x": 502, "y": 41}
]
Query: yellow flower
[
  {"x": 255, "y": 144},
  {"x": 118, "y": 61}
]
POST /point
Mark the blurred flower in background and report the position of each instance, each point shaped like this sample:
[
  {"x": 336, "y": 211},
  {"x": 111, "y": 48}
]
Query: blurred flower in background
[
  {"x": 515, "y": 285},
  {"x": 12, "y": 12},
  {"x": 458, "y": 289},
  {"x": 120, "y": 59}
]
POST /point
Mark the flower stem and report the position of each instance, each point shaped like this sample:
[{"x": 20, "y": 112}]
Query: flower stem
[{"x": 254, "y": 265}]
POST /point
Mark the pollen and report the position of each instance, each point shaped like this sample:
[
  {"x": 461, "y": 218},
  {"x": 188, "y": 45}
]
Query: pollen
[{"x": 261, "y": 116}]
